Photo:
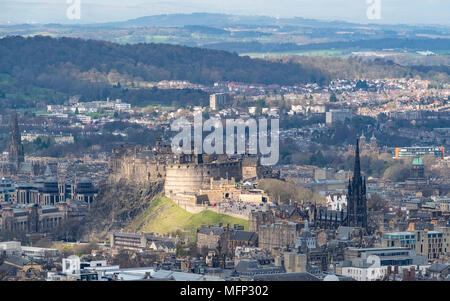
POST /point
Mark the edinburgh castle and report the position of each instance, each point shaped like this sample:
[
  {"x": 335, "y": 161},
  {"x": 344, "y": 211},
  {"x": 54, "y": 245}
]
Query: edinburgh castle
[{"x": 185, "y": 175}]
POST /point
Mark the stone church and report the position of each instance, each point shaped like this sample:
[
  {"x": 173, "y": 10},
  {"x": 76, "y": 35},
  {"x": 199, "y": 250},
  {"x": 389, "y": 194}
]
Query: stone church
[
  {"x": 356, "y": 211},
  {"x": 15, "y": 150}
]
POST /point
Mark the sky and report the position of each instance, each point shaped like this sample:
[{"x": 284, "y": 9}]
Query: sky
[{"x": 435, "y": 12}]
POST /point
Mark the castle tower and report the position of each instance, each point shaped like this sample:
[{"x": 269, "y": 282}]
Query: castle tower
[
  {"x": 362, "y": 140},
  {"x": 16, "y": 153},
  {"x": 356, "y": 196},
  {"x": 373, "y": 140},
  {"x": 417, "y": 170}
]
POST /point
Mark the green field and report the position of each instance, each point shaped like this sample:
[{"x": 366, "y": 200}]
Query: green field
[
  {"x": 164, "y": 216},
  {"x": 98, "y": 115},
  {"x": 324, "y": 52}
]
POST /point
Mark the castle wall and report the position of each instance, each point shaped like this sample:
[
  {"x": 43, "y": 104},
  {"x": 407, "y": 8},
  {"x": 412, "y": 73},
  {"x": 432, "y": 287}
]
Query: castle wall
[
  {"x": 185, "y": 175},
  {"x": 191, "y": 178},
  {"x": 184, "y": 179},
  {"x": 140, "y": 165}
]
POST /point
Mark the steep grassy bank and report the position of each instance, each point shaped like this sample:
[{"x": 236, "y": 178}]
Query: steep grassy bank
[{"x": 164, "y": 216}]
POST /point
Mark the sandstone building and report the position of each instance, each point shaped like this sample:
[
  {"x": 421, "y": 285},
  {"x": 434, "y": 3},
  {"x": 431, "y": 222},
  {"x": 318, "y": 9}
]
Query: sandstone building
[{"x": 33, "y": 218}]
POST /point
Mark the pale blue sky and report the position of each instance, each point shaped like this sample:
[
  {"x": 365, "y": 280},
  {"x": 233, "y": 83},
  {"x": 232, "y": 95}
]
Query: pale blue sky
[{"x": 93, "y": 11}]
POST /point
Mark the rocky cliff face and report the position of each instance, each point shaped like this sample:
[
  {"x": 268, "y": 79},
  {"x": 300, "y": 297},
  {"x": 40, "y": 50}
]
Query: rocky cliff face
[{"x": 116, "y": 206}]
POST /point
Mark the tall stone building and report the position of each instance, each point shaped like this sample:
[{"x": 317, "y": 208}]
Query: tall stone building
[
  {"x": 356, "y": 196},
  {"x": 278, "y": 236},
  {"x": 258, "y": 218},
  {"x": 16, "y": 153}
]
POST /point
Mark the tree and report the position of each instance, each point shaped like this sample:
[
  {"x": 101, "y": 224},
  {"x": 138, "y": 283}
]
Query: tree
[
  {"x": 376, "y": 202},
  {"x": 333, "y": 97},
  {"x": 398, "y": 172},
  {"x": 318, "y": 159},
  {"x": 286, "y": 191}
]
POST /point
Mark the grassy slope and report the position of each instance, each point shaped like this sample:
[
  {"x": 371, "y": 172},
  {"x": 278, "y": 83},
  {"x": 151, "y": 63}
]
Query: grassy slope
[
  {"x": 164, "y": 216},
  {"x": 27, "y": 92}
]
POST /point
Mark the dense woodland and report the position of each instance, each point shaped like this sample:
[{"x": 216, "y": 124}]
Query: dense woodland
[
  {"x": 42, "y": 70},
  {"x": 50, "y": 69}
]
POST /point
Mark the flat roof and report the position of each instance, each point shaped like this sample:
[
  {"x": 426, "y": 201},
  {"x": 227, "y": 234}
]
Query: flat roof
[
  {"x": 399, "y": 233},
  {"x": 377, "y": 249}
]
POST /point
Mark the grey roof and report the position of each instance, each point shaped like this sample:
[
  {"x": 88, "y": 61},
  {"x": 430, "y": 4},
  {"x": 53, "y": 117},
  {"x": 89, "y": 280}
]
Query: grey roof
[
  {"x": 286, "y": 277},
  {"x": 165, "y": 244},
  {"x": 243, "y": 235},
  {"x": 345, "y": 278},
  {"x": 181, "y": 276},
  {"x": 25, "y": 167},
  {"x": 289, "y": 209},
  {"x": 344, "y": 233},
  {"x": 129, "y": 235},
  {"x": 438, "y": 267},
  {"x": 12, "y": 263},
  {"x": 247, "y": 264},
  {"x": 207, "y": 230},
  {"x": 252, "y": 267}
]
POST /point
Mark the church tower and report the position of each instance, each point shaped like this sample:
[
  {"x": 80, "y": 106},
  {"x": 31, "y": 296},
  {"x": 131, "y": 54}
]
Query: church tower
[
  {"x": 16, "y": 153},
  {"x": 356, "y": 196}
]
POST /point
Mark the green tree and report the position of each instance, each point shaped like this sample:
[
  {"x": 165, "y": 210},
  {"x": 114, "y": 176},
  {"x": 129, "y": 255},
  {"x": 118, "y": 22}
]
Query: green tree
[{"x": 333, "y": 97}]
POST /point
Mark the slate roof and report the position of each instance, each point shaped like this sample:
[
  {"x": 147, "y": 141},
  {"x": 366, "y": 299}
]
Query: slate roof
[
  {"x": 12, "y": 263},
  {"x": 207, "y": 230},
  {"x": 165, "y": 244},
  {"x": 241, "y": 235},
  {"x": 438, "y": 267},
  {"x": 344, "y": 233},
  {"x": 286, "y": 277},
  {"x": 251, "y": 267}
]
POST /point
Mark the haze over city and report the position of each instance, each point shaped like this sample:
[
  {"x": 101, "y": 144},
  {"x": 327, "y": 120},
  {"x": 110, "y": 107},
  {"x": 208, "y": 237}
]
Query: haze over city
[{"x": 392, "y": 11}]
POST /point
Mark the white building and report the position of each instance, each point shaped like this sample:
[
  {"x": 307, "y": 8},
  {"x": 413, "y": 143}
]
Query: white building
[
  {"x": 71, "y": 264},
  {"x": 297, "y": 109},
  {"x": 10, "y": 248},
  {"x": 372, "y": 270},
  {"x": 40, "y": 253},
  {"x": 333, "y": 116},
  {"x": 373, "y": 263},
  {"x": 306, "y": 238},
  {"x": 336, "y": 201}
]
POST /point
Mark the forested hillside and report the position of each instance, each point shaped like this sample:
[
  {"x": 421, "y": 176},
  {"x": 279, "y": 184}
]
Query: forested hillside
[
  {"x": 44, "y": 67},
  {"x": 41, "y": 70}
]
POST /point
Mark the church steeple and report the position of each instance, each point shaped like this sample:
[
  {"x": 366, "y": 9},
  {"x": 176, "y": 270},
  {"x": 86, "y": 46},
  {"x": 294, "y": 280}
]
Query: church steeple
[
  {"x": 15, "y": 150},
  {"x": 357, "y": 168},
  {"x": 356, "y": 196}
]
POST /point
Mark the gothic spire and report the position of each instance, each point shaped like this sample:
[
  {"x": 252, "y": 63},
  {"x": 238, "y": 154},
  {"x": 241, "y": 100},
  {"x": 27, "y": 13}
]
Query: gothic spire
[
  {"x": 16, "y": 153},
  {"x": 15, "y": 133},
  {"x": 356, "y": 197},
  {"x": 357, "y": 169}
]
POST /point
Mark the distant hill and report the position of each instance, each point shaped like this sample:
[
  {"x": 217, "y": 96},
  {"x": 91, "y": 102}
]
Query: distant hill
[
  {"x": 209, "y": 19},
  {"x": 369, "y": 44},
  {"x": 151, "y": 62},
  {"x": 83, "y": 67}
]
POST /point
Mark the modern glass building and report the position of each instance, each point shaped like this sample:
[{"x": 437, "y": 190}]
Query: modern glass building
[{"x": 399, "y": 239}]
